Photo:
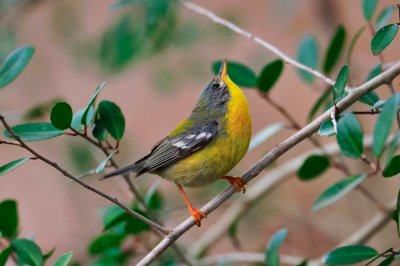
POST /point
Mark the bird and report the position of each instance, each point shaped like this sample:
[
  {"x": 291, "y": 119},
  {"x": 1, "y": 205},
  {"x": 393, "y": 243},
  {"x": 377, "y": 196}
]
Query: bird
[{"x": 206, "y": 145}]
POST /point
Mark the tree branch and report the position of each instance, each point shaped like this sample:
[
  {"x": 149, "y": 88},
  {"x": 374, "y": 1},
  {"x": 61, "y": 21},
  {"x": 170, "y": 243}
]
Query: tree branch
[{"x": 283, "y": 147}]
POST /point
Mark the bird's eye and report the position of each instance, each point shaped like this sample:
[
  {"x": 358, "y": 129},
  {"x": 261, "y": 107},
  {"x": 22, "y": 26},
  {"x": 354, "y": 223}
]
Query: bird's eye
[{"x": 215, "y": 86}]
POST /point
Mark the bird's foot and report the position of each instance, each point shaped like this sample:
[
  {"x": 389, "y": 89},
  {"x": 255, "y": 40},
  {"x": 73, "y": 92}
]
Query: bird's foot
[
  {"x": 197, "y": 215},
  {"x": 237, "y": 182}
]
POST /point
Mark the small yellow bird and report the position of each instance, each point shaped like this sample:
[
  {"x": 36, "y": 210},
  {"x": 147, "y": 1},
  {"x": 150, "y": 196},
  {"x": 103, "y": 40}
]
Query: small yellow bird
[{"x": 205, "y": 146}]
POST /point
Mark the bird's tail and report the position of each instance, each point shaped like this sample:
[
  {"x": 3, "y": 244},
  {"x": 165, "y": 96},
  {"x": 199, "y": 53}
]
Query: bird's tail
[{"x": 136, "y": 167}]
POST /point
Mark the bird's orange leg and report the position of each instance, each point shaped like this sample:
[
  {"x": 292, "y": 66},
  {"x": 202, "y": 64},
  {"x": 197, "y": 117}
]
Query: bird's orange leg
[
  {"x": 237, "y": 182},
  {"x": 196, "y": 214}
]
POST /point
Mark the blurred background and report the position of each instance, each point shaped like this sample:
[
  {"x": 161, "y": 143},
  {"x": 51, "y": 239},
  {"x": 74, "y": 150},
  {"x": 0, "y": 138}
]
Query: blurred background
[{"x": 155, "y": 63}]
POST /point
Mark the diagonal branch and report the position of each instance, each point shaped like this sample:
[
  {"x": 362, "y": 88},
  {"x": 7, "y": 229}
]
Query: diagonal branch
[{"x": 283, "y": 147}]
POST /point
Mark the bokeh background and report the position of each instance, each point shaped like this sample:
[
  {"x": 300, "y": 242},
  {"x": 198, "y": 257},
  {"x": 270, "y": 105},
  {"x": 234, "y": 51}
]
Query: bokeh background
[{"x": 155, "y": 77}]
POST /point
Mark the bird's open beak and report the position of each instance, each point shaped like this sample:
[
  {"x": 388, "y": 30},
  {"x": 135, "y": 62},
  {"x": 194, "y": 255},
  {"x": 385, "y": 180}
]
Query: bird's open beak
[{"x": 222, "y": 72}]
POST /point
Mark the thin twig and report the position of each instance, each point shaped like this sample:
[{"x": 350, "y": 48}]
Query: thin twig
[
  {"x": 14, "y": 143},
  {"x": 211, "y": 15},
  {"x": 82, "y": 183},
  {"x": 370, "y": 112}
]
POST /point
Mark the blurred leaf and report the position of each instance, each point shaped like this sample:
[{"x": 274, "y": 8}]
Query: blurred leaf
[
  {"x": 233, "y": 228},
  {"x": 369, "y": 7},
  {"x": 87, "y": 115},
  {"x": 378, "y": 105},
  {"x": 349, "y": 255},
  {"x": 14, "y": 64},
  {"x": 28, "y": 252},
  {"x": 61, "y": 115},
  {"x": 34, "y": 131},
  {"x": 4, "y": 169},
  {"x": 113, "y": 216},
  {"x": 340, "y": 84},
  {"x": 303, "y": 263},
  {"x": 112, "y": 119},
  {"x": 269, "y": 75},
  {"x": 337, "y": 191},
  {"x": 392, "y": 148},
  {"x": 77, "y": 119},
  {"x": 8, "y": 42},
  {"x": 384, "y": 124},
  {"x": 272, "y": 250},
  {"x": 350, "y": 136},
  {"x": 105, "y": 241},
  {"x": 383, "y": 38},
  {"x": 386, "y": 262},
  {"x": 99, "y": 131},
  {"x": 8, "y": 218},
  {"x": 123, "y": 3},
  {"x": 266, "y": 133},
  {"x": 81, "y": 156},
  {"x": 307, "y": 54},
  {"x": 370, "y": 98},
  {"x": 335, "y": 49},
  {"x": 396, "y": 214},
  {"x": 312, "y": 167},
  {"x": 353, "y": 44},
  {"x": 326, "y": 129},
  {"x": 64, "y": 259},
  {"x": 135, "y": 226},
  {"x": 39, "y": 111},
  {"x": 47, "y": 255},
  {"x": 393, "y": 167},
  {"x": 111, "y": 257},
  {"x": 4, "y": 254},
  {"x": 375, "y": 71},
  {"x": 323, "y": 99},
  {"x": 241, "y": 74},
  {"x": 384, "y": 17},
  {"x": 102, "y": 165},
  {"x": 153, "y": 198}
]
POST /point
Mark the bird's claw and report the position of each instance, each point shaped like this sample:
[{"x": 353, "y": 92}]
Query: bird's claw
[
  {"x": 197, "y": 215},
  {"x": 237, "y": 182}
]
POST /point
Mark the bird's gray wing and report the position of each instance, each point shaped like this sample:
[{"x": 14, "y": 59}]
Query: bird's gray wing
[{"x": 176, "y": 148}]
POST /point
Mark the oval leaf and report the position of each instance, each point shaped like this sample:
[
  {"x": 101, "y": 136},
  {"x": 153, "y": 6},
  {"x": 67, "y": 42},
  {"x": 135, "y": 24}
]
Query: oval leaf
[
  {"x": 370, "y": 98},
  {"x": 241, "y": 74},
  {"x": 326, "y": 129},
  {"x": 272, "y": 251},
  {"x": 340, "y": 84},
  {"x": 112, "y": 119},
  {"x": 28, "y": 252},
  {"x": 337, "y": 191},
  {"x": 335, "y": 49},
  {"x": 384, "y": 17},
  {"x": 307, "y": 54},
  {"x": 64, "y": 259},
  {"x": 104, "y": 242},
  {"x": 99, "y": 131},
  {"x": 393, "y": 167},
  {"x": 384, "y": 124},
  {"x": 14, "y": 64},
  {"x": 312, "y": 167},
  {"x": 349, "y": 255},
  {"x": 269, "y": 75},
  {"x": 86, "y": 119},
  {"x": 4, "y": 169},
  {"x": 35, "y": 131},
  {"x": 369, "y": 7},
  {"x": 350, "y": 136},
  {"x": 61, "y": 115},
  {"x": 8, "y": 218},
  {"x": 383, "y": 38}
]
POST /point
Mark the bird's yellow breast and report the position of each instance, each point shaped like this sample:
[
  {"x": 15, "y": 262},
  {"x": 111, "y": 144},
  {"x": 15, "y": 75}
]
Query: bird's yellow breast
[{"x": 223, "y": 153}]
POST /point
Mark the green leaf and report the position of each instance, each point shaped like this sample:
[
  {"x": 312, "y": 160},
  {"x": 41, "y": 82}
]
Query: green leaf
[
  {"x": 135, "y": 226},
  {"x": 369, "y": 7},
  {"x": 335, "y": 49},
  {"x": 375, "y": 71},
  {"x": 48, "y": 254},
  {"x": 84, "y": 119},
  {"x": 384, "y": 124},
  {"x": 61, "y": 115},
  {"x": 396, "y": 214},
  {"x": 386, "y": 262},
  {"x": 337, "y": 191},
  {"x": 105, "y": 241},
  {"x": 8, "y": 218},
  {"x": 353, "y": 44},
  {"x": 326, "y": 129},
  {"x": 383, "y": 38},
  {"x": 266, "y": 133},
  {"x": 35, "y": 131},
  {"x": 303, "y": 263},
  {"x": 269, "y": 75},
  {"x": 349, "y": 255},
  {"x": 340, "y": 84},
  {"x": 272, "y": 251},
  {"x": 393, "y": 167},
  {"x": 307, "y": 54},
  {"x": 350, "y": 136},
  {"x": 28, "y": 253},
  {"x": 241, "y": 74},
  {"x": 64, "y": 259},
  {"x": 370, "y": 98},
  {"x": 4, "y": 169},
  {"x": 233, "y": 228},
  {"x": 384, "y": 17},
  {"x": 378, "y": 105},
  {"x": 99, "y": 131},
  {"x": 392, "y": 148},
  {"x": 111, "y": 257},
  {"x": 4, "y": 254},
  {"x": 312, "y": 167},
  {"x": 323, "y": 99},
  {"x": 102, "y": 165},
  {"x": 153, "y": 198},
  {"x": 113, "y": 216},
  {"x": 77, "y": 119},
  {"x": 123, "y": 3},
  {"x": 14, "y": 64},
  {"x": 112, "y": 119}
]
